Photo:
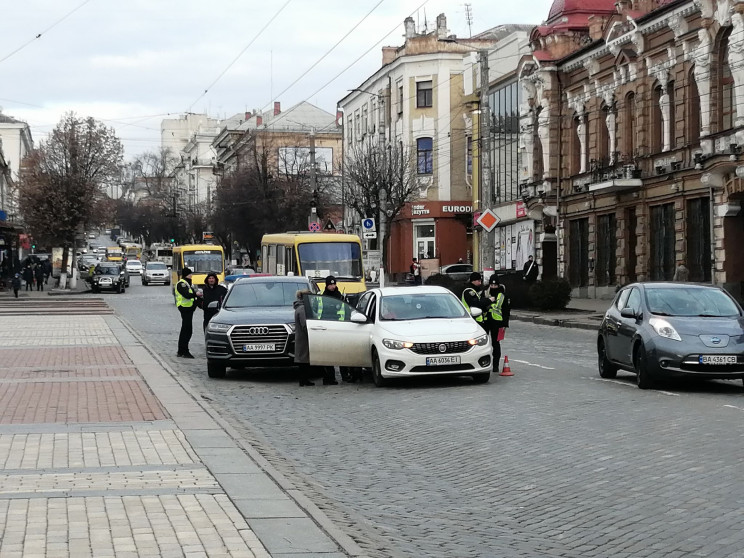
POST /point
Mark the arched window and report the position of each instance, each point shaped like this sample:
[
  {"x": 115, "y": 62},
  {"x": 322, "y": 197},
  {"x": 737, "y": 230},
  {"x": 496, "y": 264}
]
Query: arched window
[
  {"x": 631, "y": 126},
  {"x": 726, "y": 104},
  {"x": 692, "y": 128},
  {"x": 603, "y": 137},
  {"x": 656, "y": 121}
]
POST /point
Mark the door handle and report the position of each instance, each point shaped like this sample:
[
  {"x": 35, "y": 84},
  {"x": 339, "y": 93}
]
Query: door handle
[{"x": 318, "y": 328}]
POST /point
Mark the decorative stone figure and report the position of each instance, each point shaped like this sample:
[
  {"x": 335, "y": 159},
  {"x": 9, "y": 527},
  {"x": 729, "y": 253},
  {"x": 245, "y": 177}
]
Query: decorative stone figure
[
  {"x": 701, "y": 56},
  {"x": 543, "y": 131},
  {"x": 736, "y": 62},
  {"x": 581, "y": 132},
  {"x": 611, "y": 122}
]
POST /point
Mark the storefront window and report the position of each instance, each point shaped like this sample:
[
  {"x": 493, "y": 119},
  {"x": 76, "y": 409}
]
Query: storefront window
[{"x": 424, "y": 240}]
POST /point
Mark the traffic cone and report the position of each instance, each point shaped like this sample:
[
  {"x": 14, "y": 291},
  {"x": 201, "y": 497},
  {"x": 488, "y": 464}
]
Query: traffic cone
[{"x": 506, "y": 371}]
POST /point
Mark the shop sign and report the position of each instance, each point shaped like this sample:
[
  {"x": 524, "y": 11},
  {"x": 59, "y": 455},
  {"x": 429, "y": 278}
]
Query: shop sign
[
  {"x": 419, "y": 209},
  {"x": 457, "y": 209},
  {"x": 521, "y": 210}
]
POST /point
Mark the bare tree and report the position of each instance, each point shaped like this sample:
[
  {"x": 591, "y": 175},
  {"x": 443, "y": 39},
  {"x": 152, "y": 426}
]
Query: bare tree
[
  {"x": 61, "y": 184},
  {"x": 381, "y": 180},
  {"x": 153, "y": 172}
]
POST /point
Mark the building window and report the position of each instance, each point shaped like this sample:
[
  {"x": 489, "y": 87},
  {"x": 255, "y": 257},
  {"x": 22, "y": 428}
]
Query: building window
[
  {"x": 726, "y": 89},
  {"x": 578, "y": 256},
  {"x": 469, "y": 157},
  {"x": 423, "y": 94},
  {"x": 606, "y": 248},
  {"x": 662, "y": 242},
  {"x": 698, "y": 239},
  {"x": 424, "y": 155},
  {"x": 505, "y": 156},
  {"x": 365, "y": 119},
  {"x": 400, "y": 99},
  {"x": 424, "y": 241},
  {"x": 349, "y": 130},
  {"x": 693, "y": 111},
  {"x": 603, "y": 137},
  {"x": 631, "y": 126}
]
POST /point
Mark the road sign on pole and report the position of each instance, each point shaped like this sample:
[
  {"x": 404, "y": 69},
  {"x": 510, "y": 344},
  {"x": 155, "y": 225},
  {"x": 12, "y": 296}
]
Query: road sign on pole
[
  {"x": 314, "y": 226},
  {"x": 488, "y": 220},
  {"x": 369, "y": 234},
  {"x": 369, "y": 225}
]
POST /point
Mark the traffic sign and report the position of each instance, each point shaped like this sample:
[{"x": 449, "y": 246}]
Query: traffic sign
[
  {"x": 368, "y": 224},
  {"x": 314, "y": 226},
  {"x": 488, "y": 220},
  {"x": 329, "y": 226},
  {"x": 369, "y": 234}
]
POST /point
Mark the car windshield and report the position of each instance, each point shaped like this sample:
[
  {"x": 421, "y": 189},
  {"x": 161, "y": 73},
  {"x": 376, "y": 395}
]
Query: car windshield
[
  {"x": 690, "y": 301},
  {"x": 258, "y": 295},
  {"x": 320, "y": 259},
  {"x": 156, "y": 265},
  {"x": 421, "y": 306},
  {"x": 107, "y": 271},
  {"x": 203, "y": 261}
]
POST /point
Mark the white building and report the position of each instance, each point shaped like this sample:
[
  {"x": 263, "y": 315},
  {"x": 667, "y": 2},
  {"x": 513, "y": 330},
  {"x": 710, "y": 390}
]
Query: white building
[{"x": 15, "y": 144}]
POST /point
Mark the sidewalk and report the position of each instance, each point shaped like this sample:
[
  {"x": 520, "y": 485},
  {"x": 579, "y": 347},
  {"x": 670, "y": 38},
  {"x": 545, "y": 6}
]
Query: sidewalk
[
  {"x": 104, "y": 453},
  {"x": 581, "y": 313}
]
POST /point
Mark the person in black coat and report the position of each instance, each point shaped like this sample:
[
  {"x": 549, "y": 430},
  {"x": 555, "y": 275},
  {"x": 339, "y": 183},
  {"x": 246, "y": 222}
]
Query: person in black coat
[
  {"x": 302, "y": 344},
  {"x": 530, "y": 271},
  {"x": 39, "y": 275},
  {"x": 331, "y": 312},
  {"x": 186, "y": 302},
  {"x": 16, "y": 284},
  {"x": 212, "y": 292},
  {"x": 28, "y": 277},
  {"x": 472, "y": 297}
]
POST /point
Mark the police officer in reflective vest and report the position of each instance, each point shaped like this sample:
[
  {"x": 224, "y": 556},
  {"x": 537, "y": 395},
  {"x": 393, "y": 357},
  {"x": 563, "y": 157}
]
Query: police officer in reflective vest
[
  {"x": 471, "y": 297},
  {"x": 186, "y": 303},
  {"x": 495, "y": 321}
]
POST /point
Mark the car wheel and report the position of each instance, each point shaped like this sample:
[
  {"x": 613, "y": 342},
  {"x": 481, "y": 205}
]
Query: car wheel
[
  {"x": 216, "y": 369},
  {"x": 606, "y": 368},
  {"x": 643, "y": 376},
  {"x": 481, "y": 378},
  {"x": 377, "y": 371}
]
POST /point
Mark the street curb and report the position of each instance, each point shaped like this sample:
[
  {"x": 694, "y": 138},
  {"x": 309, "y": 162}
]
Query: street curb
[
  {"x": 557, "y": 322},
  {"x": 345, "y": 542}
]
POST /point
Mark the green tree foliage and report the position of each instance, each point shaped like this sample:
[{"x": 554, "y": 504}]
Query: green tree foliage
[{"x": 62, "y": 181}]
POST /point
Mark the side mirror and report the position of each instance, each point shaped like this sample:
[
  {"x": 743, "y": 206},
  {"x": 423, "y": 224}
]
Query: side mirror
[
  {"x": 358, "y": 318},
  {"x": 214, "y": 305},
  {"x": 475, "y": 312},
  {"x": 628, "y": 313}
]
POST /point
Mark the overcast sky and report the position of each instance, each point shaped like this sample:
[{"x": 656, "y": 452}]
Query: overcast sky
[{"x": 132, "y": 63}]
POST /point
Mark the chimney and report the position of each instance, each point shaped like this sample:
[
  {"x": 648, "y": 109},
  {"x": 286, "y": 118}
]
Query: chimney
[
  {"x": 388, "y": 54},
  {"x": 441, "y": 26},
  {"x": 339, "y": 117},
  {"x": 248, "y": 115},
  {"x": 277, "y": 107},
  {"x": 410, "y": 26},
  {"x": 259, "y": 120}
]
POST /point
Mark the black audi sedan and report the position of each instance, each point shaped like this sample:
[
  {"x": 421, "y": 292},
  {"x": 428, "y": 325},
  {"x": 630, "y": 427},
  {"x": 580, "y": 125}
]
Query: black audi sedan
[
  {"x": 255, "y": 326},
  {"x": 660, "y": 330}
]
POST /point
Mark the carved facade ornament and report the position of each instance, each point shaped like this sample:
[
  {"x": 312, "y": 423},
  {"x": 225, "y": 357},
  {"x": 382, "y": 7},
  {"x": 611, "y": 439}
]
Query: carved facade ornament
[
  {"x": 705, "y": 7},
  {"x": 700, "y": 56},
  {"x": 678, "y": 25},
  {"x": 611, "y": 122},
  {"x": 639, "y": 41},
  {"x": 736, "y": 62},
  {"x": 606, "y": 92},
  {"x": 592, "y": 66},
  {"x": 723, "y": 12},
  {"x": 543, "y": 132}
]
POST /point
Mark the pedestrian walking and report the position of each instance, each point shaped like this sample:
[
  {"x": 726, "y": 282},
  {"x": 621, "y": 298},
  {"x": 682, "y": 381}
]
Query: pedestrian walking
[
  {"x": 186, "y": 303},
  {"x": 28, "y": 277},
  {"x": 530, "y": 271},
  {"x": 495, "y": 323},
  {"x": 471, "y": 297},
  {"x": 39, "y": 276},
  {"x": 213, "y": 292},
  {"x": 47, "y": 270},
  {"x": 416, "y": 271},
  {"x": 16, "y": 282},
  {"x": 302, "y": 343}
]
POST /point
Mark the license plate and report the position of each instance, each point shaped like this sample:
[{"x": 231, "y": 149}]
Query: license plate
[
  {"x": 718, "y": 359},
  {"x": 442, "y": 360},
  {"x": 259, "y": 347}
]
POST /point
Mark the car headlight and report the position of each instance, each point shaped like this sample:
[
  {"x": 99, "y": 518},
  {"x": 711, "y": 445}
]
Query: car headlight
[
  {"x": 291, "y": 327},
  {"x": 664, "y": 329},
  {"x": 480, "y": 341},
  {"x": 397, "y": 345},
  {"x": 218, "y": 327}
]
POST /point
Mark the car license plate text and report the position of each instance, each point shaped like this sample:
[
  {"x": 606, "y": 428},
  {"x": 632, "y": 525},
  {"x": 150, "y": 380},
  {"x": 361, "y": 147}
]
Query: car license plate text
[
  {"x": 259, "y": 347},
  {"x": 442, "y": 360},
  {"x": 718, "y": 359}
]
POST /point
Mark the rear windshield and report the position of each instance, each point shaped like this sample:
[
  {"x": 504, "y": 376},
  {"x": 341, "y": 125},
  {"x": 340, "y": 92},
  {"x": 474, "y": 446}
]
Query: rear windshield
[
  {"x": 258, "y": 295},
  {"x": 690, "y": 301}
]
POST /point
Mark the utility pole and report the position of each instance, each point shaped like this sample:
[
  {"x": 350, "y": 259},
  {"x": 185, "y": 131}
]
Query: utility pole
[
  {"x": 487, "y": 238},
  {"x": 313, "y": 217}
]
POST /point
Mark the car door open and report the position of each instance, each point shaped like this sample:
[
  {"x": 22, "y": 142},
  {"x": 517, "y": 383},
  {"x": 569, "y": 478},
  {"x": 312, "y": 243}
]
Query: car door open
[{"x": 338, "y": 335}]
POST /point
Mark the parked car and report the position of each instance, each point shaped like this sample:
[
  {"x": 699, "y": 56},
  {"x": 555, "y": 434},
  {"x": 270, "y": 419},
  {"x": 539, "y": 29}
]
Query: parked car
[
  {"x": 86, "y": 261},
  {"x": 230, "y": 279},
  {"x": 109, "y": 276},
  {"x": 659, "y": 330},
  {"x": 255, "y": 326},
  {"x": 134, "y": 267},
  {"x": 155, "y": 272},
  {"x": 460, "y": 272},
  {"x": 401, "y": 332}
]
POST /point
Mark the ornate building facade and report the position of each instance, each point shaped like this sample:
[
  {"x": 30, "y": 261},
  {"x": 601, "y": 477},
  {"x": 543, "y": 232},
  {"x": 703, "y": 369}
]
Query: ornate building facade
[{"x": 632, "y": 141}]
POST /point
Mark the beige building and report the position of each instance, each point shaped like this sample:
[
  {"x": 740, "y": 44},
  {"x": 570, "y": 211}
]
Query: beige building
[{"x": 632, "y": 121}]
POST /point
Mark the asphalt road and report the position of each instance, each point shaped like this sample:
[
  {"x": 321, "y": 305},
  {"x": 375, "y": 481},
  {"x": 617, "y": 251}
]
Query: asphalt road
[{"x": 551, "y": 462}]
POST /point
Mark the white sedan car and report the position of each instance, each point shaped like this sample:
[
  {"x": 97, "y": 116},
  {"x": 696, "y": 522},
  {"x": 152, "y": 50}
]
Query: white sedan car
[
  {"x": 399, "y": 332},
  {"x": 134, "y": 267}
]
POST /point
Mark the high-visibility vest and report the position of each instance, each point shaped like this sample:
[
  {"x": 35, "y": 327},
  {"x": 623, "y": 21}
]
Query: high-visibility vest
[
  {"x": 478, "y": 319},
  {"x": 495, "y": 308},
  {"x": 341, "y": 309},
  {"x": 182, "y": 301}
]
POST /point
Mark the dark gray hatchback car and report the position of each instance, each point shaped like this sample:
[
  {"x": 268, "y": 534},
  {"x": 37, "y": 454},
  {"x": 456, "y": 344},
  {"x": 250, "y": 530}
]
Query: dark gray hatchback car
[
  {"x": 255, "y": 326},
  {"x": 672, "y": 329}
]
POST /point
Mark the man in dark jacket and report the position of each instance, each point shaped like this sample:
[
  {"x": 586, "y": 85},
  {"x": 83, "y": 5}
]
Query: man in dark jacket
[
  {"x": 186, "y": 304},
  {"x": 302, "y": 344},
  {"x": 530, "y": 271},
  {"x": 16, "y": 284},
  {"x": 213, "y": 292},
  {"x": 28, "y": 277},
  {"x": 332, "y": 310},
  {"x": 39, "y": 275}
]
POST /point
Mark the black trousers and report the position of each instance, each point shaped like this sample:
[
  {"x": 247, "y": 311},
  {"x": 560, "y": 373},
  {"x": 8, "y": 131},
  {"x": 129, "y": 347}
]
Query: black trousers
[
  {"x": 493, "y": 329},
  {"x": 187, "y": 328}
]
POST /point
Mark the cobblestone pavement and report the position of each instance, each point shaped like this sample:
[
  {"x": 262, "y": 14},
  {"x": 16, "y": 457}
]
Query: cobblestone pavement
[
  {"x": 91, "y": 463},
  {"x": 552, "y": 462}
]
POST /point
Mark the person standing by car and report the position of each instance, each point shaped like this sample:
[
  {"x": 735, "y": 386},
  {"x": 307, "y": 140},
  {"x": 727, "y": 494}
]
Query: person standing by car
[
  {"x": 331, "y": 310},
  {"x": 186, "y": 303},
  {"x": 302, "y": 343},
  {"x": 495, "y": 322},
  {"x": 471, "y": 297},
  {"x": 213, "y": 292}
]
